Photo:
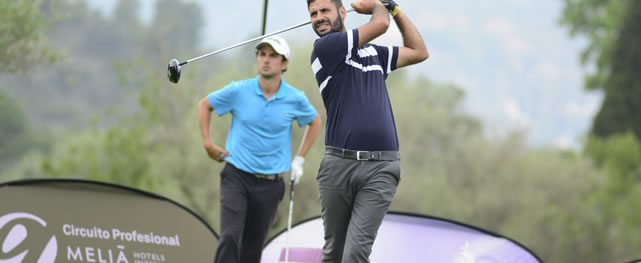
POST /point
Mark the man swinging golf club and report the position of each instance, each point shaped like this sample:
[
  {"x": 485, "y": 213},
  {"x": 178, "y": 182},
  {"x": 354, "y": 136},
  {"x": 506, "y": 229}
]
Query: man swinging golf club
[
  {"x": 360, "y": 171},
  {"x": 258, "y": 149}
]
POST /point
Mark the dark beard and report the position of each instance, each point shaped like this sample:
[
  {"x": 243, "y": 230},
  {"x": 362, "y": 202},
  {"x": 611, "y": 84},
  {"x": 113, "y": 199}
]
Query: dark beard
[{"x": 337, "y": 26}]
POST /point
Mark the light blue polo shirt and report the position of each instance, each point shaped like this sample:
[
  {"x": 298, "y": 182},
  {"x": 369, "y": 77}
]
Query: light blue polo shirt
[{"x": 259, "y": 140}]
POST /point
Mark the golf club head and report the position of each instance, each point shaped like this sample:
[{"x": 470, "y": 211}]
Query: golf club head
[{"x": 173, "y": 70}]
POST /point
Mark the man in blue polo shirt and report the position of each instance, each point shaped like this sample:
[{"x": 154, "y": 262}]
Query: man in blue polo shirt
[
  {"x": 258, "y": 149},
  {"x": 361, "y": 167}
]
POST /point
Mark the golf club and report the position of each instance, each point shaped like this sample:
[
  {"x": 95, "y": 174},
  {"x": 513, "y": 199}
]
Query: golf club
[
  {"x": 289, "y": 220},
  {"x": 174, "y": 67}
]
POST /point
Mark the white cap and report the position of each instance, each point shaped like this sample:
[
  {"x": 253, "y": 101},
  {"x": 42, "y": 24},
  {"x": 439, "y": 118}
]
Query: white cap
[{"x": 277, "y": 43}]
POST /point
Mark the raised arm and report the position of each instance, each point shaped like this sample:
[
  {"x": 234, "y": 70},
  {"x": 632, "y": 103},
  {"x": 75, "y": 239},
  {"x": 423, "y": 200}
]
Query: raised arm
[
  {"x": 413, "y": 50},
  {"x": 378, "y": 23}
]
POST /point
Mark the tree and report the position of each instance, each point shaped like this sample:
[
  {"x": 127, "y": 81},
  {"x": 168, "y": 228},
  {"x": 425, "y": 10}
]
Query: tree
[
  {"x": 21, "y": 34},
  {"x": 13, "y": 126},
  {"x": 615, "y": 34},
  {"x": 126, "y": 31},
  {"x": 175, "y": 28},
  {"x": 622, "y": 103},
  {"x": 599, "y": 21},
  {"x": 620, "y": 156},
  {"x": 22, "y": 46}
]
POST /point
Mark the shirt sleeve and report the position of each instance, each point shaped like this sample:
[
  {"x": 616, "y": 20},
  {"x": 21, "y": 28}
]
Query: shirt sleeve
[
  {"x": 305, "y": 112},
  {"x": 223, "y": 99},
  {"x": 388, "y": 56},
  {"x": 336, "y": 47}
]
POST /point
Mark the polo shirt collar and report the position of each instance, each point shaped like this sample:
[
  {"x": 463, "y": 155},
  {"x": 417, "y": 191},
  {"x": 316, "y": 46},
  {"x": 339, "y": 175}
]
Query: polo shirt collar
[{"x": 279, "y": 94}]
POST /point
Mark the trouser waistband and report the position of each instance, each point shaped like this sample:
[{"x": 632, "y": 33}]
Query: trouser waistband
[
  {"x": 269, "y": 177},
  {"x": 363, "y": 155}
]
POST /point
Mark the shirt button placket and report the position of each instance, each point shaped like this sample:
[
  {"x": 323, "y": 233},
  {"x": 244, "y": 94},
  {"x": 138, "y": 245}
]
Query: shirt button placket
[{"x": 265, "y": 110}]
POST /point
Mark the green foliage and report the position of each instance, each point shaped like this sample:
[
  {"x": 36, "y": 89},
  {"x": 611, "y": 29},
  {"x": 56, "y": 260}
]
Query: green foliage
[
  {"x": 84, "y": 86},
  {"x": 614, "y": 32},
  {"x": 12, "y": 127},
  {"x": 12, "y": 120},
  {"x": 16, "y": 135},
  {"x": 599, "y": 21},
  {"x": 22, "y": 47},
  {"x": 622, "y": 103},
  {"x": 116, "y": 155},
  {"x": 620, "y": 156},
  {"x": 175, "y": 28},
  {"x": 21, "y": 34}
]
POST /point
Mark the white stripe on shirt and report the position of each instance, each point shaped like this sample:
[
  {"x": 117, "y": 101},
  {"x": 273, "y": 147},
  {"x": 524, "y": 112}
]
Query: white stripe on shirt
[
  {"x": 367, "y": 52},
  {"x": 324, "y": 84},
  {"x": 348, "y": 57},
  {"x": 350, "y": 45},
  {"x": 366, "y": 68},
  {"x": 316, "y": 66},
  {"x": 390, "y": 53}
]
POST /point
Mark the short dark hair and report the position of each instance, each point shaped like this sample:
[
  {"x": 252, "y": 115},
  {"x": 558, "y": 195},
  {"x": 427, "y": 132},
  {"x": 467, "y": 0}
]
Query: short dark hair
[{"x": 337, "y": 3}]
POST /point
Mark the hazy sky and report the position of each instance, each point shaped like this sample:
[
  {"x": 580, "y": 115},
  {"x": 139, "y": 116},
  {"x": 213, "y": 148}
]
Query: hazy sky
[{"x": 519, "y": 68}]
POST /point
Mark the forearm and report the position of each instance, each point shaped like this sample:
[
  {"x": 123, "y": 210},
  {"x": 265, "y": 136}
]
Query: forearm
[
  {"x": 204, "y": 120},
  {"x": 413, "y": 50},
  {"x": 377, "y": 25},
  {"x": 411, "y": 37},
  {"x": 309, "y": 136},
  {"x": 380, "y": 17}
]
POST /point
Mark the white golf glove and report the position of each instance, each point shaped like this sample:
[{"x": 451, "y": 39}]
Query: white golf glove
[{"x": 297, "y": 169}]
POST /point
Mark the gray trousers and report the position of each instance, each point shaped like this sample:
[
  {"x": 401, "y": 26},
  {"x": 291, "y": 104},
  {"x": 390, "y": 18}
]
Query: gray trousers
[{"x": 355, "y": 196}]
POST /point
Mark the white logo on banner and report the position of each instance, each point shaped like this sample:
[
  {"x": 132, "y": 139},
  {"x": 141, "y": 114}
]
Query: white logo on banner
[
  {"x": 465, "y": 255},
  {"x": 19, "y": 233}
]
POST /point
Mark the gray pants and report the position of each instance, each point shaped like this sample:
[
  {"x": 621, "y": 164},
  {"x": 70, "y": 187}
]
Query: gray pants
[{"x": 355, "y": 196}]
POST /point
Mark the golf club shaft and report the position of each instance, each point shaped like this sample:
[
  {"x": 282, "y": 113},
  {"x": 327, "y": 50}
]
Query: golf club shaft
[
  {"x": 249, "y": 41},
  {"x": 244, "y": 42},
  {"x": 289, "y": 220}
]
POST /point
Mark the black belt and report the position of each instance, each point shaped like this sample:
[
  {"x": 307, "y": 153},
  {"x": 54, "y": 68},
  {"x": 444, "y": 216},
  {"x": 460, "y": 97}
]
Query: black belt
[
  {"x": 363, "y": 155},
  {"x": 269, "y": 177}
]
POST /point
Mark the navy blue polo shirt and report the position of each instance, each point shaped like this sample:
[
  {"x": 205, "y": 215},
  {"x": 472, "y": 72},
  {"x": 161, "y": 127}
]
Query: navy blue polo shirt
[
  {"x": 259, "y": 140},
  {"x": 352, "y": 84}
]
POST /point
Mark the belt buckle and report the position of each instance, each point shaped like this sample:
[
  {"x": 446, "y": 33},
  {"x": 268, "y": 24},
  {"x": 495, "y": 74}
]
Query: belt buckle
[{"x": 358, "y": 156}]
